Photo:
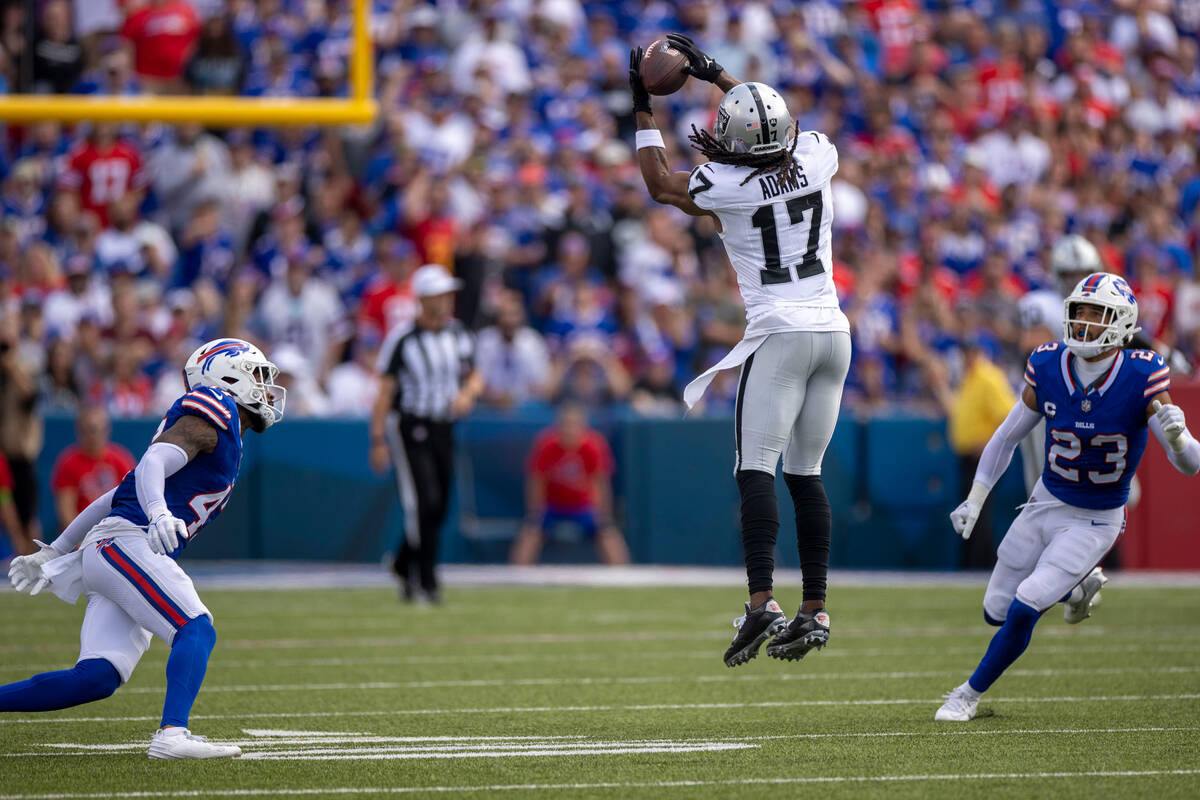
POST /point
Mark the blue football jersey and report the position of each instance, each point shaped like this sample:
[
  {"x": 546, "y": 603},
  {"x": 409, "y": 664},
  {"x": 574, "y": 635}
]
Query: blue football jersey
[
  {"x": 198, "y": 492},
  {"x": 1095, "y": 435}
]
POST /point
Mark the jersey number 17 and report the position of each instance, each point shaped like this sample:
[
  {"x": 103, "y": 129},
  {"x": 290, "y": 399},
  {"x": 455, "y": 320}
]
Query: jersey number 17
[{"x": 763, "y": 218}]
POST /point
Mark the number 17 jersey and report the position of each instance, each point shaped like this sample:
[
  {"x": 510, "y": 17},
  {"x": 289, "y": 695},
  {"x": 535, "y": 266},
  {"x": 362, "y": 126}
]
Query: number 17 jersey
[{"x": 777, "y": 233}]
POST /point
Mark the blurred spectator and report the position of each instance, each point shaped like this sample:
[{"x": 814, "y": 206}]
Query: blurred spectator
[
  {"x": 302, "y": 310},
  {"x": 354, "y": 384},
  {"x": 304, "y": 396},
  {"x": 163, "y": 34},
  {"x": 388, "y": 300},
  {"x": 655, "y": 393},
  {"x": 512, "y": 357},
  {"x": 20, "y": 423},
  {"x": 88, "y": 468},
  {"x": 980, "y": 404},
  {"x": 9, "y": 519},
  {"x": 57, "y": 56},
  {"x": 82, "y": 295},
  {"x": 217, "y": 66},
  {"x": 569, "y": 483},
  {"x": 126, "y": 391},
  {"x": 190, "y": 168},
  {"x": 102, "y": 169}
]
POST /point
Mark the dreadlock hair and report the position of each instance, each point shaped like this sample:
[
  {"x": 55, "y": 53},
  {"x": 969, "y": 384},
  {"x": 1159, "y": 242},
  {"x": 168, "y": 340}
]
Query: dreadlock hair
[{"x": 781, "y": 161}]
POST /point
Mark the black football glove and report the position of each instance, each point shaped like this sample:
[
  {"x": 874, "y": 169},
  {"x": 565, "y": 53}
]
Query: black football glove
[
  {"x": 641, "y": 98},
  {"x": 700, "y": 64}
]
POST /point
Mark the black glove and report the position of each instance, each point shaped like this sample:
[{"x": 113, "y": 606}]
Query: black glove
[
  {"x": 700, "y": 64},
  {"x": 641, "y": 98}
]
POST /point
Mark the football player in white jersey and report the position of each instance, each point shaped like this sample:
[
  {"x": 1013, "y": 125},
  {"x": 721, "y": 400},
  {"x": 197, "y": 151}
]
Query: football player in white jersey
[{"x": 766, "y": 186}]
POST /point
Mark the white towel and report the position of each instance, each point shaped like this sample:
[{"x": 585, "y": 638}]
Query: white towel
[
  {"x": 65, "y": 574},
  {"x": 734, "y": 358}
]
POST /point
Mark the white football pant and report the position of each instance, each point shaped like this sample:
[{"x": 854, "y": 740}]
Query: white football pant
[
  {"x": 132, "y": 593},
  {"x": 788, "y": 398},
  {"x": 1049, "y": 548}
]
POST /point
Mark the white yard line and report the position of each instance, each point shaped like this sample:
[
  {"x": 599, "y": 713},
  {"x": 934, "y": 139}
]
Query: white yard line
[
  {"x": 622, "y": 785},
  {"x": 653, "y": 679},
  {"x": 312, "y": 741},
  {"x": 8, "y": 720},
  {"x": 632, "y": 655}
]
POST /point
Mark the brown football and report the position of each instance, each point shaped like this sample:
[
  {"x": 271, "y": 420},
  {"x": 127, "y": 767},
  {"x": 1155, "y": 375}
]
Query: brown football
[{"x": 662, "y": 68}]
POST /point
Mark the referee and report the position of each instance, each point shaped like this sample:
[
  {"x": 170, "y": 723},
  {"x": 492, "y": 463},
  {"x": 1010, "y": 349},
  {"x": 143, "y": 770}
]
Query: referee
[{"x": 427, "y": 380}]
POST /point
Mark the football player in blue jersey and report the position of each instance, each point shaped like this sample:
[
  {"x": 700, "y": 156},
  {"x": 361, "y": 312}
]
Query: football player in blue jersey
[
  {"x": 1099, "y": 401},
  {"x": 120, "y": 551}
]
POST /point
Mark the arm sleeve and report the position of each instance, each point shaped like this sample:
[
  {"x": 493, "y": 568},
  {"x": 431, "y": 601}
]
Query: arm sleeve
[
  {"x": 161, "y": 460},
  {"x": 998, "y": 452},
  {"x": 1186, "y": 460},
  {"x": 87, "y": 519}
]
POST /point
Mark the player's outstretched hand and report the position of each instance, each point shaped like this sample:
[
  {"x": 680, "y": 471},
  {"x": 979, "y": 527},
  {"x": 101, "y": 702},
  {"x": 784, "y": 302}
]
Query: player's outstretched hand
[
  {"x": 165, "y": 532},
  {"x": 25, "y": 572},
  {"x": 700, "y": 64},
  {"x": 1173, "y": 423},
  {"x": 964, "y": 518},
  {"x": 641, "y": 98}
]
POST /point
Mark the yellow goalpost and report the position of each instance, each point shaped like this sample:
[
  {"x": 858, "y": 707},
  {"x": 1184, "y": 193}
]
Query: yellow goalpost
[{"x": 360, "y": 107}]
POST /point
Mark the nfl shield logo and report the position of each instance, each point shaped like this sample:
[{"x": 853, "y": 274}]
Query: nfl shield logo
[{"x": 1086, "y": 405}]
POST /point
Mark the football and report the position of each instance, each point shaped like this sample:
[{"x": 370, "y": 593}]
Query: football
[{"x": 662, "y": 68}]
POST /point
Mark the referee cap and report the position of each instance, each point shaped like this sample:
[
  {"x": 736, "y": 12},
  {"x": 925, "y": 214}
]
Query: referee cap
[{"x": 434, "y": 279}]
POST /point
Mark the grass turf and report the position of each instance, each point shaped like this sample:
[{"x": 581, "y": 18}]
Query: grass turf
[{"x": 613, "y": 669}]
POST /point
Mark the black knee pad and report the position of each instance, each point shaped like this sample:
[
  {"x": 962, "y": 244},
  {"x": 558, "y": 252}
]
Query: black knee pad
[{"x": 760, "y": 527}]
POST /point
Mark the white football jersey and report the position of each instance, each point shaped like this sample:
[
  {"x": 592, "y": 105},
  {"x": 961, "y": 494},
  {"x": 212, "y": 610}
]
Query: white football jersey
[
  {"x": 1043, "y": 307},
  {"x": 778, "y": 237}
]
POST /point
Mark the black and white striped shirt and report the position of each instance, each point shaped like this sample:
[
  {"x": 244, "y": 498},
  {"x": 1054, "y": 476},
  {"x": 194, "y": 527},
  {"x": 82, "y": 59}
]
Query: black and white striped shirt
[{"x": 429, "y": 368}]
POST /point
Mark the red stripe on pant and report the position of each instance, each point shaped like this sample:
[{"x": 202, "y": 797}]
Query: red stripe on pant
[{"x": 149, "y": 588}]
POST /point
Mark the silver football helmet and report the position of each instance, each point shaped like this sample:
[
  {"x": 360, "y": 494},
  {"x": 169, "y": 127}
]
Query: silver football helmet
[
  {"x": 753, "y": 118},
  {"x": 1071, "y": 259}
]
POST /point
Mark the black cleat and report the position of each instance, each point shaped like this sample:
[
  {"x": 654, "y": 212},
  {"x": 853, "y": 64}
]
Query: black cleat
[
  {"x": 754, "y": 628},
  {"x": 807, "y": 630}
]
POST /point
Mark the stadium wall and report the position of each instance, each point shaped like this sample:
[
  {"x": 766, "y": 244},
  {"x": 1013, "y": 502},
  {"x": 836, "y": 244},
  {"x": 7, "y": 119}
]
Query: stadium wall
[{"x": 306, "y": 492}]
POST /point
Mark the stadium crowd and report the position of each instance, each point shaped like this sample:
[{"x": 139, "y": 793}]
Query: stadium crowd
[{"x": 972, "y": 134}]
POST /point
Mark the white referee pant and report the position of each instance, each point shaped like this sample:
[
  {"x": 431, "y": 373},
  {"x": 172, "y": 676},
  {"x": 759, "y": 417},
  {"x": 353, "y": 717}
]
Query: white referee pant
[{"x": 788, "y": 398}]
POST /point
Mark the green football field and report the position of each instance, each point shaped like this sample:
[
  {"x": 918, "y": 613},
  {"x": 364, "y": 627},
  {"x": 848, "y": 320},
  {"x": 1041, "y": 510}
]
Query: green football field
[{"x": 613, "y": 693}]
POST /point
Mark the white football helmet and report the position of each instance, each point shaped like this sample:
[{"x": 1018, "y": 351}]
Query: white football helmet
[
  {"x": 239, "y": 368},
  {"x": 1071, "y": 258},
  {"x": 1119, "y": 324},
  {"x": 753, "y": 118}
]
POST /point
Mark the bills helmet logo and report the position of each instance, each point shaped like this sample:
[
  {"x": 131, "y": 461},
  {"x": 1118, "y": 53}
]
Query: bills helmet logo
[
  {"x": 229, "y": 348},
  {"x": 1123, "y": 289}
]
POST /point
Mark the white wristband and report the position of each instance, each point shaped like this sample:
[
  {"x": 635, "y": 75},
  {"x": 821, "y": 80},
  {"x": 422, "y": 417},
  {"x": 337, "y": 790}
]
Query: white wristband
[{"x": 649, "y": 137}]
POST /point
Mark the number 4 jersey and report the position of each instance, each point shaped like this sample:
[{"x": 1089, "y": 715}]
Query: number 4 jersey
[
  {"x": 777, "y": 233},
  {"x": 197, "y": 493},
  {"x": 1095, "y": 435}
]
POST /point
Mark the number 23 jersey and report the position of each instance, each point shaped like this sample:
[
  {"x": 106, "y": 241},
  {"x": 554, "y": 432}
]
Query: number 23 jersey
[
  {"x": 1095, "y": 435},
  {"x": 197, "y": 493},
  {"x": 778, "y": 234}
]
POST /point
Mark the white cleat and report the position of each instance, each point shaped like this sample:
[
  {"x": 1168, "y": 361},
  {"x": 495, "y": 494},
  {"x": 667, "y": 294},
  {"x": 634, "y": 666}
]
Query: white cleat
[
  {"x": 960, "y": 706},
  {"x": 1077, "y": 612},
  {"x": 181, "y": 743}
]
